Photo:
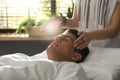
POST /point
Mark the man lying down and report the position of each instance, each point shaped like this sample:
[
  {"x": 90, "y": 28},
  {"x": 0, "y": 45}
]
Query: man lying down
[{"x": 61, "y": 62}]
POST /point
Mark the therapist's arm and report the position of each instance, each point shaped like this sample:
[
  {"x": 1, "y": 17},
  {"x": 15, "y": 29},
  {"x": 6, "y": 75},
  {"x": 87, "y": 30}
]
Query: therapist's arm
[
  {"x": 57, "y": 21},
  {"x": 108, "y": 32},
  {"x": 111, "y": 30},
  {"x": 73, "y": 22}
]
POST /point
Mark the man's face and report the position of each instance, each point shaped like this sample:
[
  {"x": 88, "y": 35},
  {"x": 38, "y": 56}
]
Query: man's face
[{"x": 61, "y": 48}]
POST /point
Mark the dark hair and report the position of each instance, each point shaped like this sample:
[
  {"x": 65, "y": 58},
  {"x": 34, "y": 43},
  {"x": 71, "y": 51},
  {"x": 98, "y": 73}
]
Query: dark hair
[
  {"x": 74, "y": 32},
  {"x": 84, "y": 52}
]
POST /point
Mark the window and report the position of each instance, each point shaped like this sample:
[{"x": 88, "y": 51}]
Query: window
[
  {"x": 65, "y": 7},
  {"x": 12, "y": 12}
]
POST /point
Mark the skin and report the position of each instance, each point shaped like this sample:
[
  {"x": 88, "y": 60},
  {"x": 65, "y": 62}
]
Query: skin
[
  {"x": 109, "y": 31},
  {"x": 62, "y": 49},
  {"x": 84, "y": 39}
]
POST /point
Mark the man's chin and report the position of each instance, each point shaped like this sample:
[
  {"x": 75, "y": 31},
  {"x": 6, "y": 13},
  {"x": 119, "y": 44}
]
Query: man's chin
[{"x": 51, "y": 47}]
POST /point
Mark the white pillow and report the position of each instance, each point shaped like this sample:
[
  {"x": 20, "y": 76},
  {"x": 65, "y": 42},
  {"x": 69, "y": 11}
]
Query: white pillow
[{"x": 102, "y": 63}]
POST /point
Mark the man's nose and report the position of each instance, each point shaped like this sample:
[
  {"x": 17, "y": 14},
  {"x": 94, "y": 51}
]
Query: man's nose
[{"x": 59, "y": 39}]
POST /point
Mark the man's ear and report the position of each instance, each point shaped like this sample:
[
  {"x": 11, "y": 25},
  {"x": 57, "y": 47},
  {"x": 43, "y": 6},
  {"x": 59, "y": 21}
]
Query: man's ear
[{"x": 76, "y": 56}]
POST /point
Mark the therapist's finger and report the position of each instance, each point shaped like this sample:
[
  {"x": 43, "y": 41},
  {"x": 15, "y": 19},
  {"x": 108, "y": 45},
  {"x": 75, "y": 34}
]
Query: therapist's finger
[
  {"x": 79, "y": 40},
  {"x": 81, "y": 35},
  {"x": 84, "y": 44}
]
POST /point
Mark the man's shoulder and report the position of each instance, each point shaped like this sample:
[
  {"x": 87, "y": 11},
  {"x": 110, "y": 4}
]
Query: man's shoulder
[
  {"x": 68, "y": 65},
  {"x": 71, "y": 71}
]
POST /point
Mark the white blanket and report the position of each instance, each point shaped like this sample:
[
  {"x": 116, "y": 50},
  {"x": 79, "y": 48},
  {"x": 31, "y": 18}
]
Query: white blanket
[{"x": 22, "y": 67}]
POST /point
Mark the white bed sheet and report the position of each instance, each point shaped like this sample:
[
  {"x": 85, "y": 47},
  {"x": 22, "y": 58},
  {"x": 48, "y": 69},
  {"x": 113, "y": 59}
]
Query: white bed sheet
[{"x": 102, "y": 64}]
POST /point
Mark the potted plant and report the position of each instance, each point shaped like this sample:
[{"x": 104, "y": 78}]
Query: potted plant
[
  {"x": 25, "y": 25},
  {"x": 70, "y": 10},
  {"x": 35, "y": 31}
]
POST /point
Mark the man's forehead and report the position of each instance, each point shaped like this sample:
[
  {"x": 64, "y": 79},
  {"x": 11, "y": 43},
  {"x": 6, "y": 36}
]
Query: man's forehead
[{"x": 72, "y": 36}]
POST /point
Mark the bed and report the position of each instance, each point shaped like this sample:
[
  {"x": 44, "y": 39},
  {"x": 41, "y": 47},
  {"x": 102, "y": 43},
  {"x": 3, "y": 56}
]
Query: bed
[{"x": 101, "y": 63}]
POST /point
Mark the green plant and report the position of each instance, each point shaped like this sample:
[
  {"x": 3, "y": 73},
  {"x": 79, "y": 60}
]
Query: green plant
[
  {"x": 70, "y": 10},
  {"x": 25, "y": 25},
  {"x": 40, "y": 22}
]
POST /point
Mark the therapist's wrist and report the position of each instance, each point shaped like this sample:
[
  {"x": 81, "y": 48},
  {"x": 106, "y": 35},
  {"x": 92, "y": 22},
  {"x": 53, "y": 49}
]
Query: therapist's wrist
[
  {"x": 90, "y": 36},
  {"x": 61, "y": 18},
  {"x": 64, "y": 21}
]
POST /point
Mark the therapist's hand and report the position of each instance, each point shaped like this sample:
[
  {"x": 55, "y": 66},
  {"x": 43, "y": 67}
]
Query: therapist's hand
[{"x": 82, "y": 41}]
